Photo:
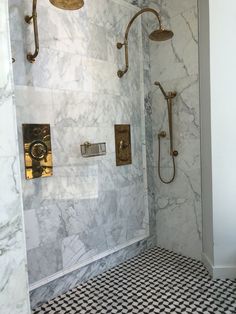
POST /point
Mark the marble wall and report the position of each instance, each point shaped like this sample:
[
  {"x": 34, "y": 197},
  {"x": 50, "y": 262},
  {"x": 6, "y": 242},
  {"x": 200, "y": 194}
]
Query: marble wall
[
  {"x": 175, "y": 64},
  {"x": 90, "y": 215},
  {"x": 13, "y": 276}
]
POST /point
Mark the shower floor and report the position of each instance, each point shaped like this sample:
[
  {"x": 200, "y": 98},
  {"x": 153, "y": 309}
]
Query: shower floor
[{"x": 157, "y": 281}]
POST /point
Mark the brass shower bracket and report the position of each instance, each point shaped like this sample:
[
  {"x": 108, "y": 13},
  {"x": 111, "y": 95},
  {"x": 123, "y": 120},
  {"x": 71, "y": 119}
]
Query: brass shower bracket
[{"x": 158, "y": 35}]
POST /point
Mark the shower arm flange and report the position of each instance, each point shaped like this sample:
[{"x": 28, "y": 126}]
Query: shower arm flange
[
  {"x": 119, "y": 45},
  {"x": 32, "y": 56}
]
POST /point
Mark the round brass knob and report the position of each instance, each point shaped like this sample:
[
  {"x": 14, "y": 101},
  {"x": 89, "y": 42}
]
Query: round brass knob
[
  {"x": 175, "y": 153},
  {"x": 119, "y": 45},
  {"x": 120, "y": 73},
  {"x": 38, "y": 150},
  {"x": 162, "y": 134}
]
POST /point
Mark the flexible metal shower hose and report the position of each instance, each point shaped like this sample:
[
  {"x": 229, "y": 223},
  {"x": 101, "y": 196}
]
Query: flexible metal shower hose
[{"x": 159, "y": 165}]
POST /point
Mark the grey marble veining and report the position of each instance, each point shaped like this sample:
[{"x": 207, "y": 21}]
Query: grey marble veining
[
  {"x": 90, "y": 210},
  {"x": 12, "y": 245},
  {"x": 175, "y": 65}
]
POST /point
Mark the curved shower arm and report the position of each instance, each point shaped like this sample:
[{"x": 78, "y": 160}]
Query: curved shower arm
[
  {"x": 31, "y": 56},
  {"x": 121, "y": 73},
  {"x": 139, "y": 13}
]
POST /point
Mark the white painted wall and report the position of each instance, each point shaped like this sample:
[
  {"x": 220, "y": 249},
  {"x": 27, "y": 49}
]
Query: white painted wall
[
  {"x": 205, "y": 117},
  {"x": 221, "y": 115},
  {"x": 223, "y": 65}
]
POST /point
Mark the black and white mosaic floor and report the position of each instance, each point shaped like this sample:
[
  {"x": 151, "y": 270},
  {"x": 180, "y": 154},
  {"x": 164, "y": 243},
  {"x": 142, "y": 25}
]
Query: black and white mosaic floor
[{"x": 157, "y": 281}]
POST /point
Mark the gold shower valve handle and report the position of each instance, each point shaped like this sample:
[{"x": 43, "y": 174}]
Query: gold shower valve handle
[
  {"x": 123, "y": 145},
  {"x": 38, "y": 150}
]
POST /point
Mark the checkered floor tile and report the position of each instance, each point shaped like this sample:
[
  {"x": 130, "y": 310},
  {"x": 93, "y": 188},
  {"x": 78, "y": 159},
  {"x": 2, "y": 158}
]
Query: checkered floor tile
[{"x": 157, "y": 281}]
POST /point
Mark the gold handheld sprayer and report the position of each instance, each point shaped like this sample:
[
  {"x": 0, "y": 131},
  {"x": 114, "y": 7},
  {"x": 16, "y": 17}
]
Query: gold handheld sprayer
[{"x": 174, "y": 153}]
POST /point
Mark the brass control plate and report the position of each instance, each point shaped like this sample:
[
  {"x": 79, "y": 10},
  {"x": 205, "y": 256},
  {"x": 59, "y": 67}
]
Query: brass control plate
[
  {"x": 123, "y": 144},
  {"x": 37, "y": 151}
]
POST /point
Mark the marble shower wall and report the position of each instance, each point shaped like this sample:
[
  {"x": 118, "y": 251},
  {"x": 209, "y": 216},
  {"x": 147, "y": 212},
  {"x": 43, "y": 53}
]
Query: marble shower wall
[
  {"x": 90, "y": 215},
  {"x": 175, "y": 64},
  {"x": 12, "y": 243}
]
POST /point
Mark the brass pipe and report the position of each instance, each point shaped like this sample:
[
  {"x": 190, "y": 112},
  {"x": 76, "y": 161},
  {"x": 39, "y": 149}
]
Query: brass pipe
[
  {"x": 174, "y": 153},
  {"x": 31, "y": 56},
  {"x": 119, "y": 45},
  {"x": 162, "y": 89},
  {"x": 63, "y": 4}
]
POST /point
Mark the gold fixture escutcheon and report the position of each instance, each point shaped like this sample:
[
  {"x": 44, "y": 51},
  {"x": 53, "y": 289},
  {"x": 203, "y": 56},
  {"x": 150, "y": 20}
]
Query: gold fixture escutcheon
[
  {"x": 37, "y": 151},
  {"x": 123, "y": 144}
]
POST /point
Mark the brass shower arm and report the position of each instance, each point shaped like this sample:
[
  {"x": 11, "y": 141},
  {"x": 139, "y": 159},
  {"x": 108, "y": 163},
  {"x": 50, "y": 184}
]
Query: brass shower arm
[
  {"x": 62, "y": 4},
  {"x": 31, "y": 56},
  {"x": 139, "y": 13},
  {"x": 121, "y": 73}
]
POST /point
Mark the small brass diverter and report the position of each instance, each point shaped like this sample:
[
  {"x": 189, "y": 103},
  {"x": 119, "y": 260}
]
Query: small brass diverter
[
  {"x": 37, "y": 151},
  {"x": 123, "y": 144}
]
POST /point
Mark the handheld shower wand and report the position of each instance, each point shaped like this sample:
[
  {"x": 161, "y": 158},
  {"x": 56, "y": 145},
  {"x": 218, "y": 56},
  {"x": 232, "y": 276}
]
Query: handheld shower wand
[{"x": 174, "y": 153}]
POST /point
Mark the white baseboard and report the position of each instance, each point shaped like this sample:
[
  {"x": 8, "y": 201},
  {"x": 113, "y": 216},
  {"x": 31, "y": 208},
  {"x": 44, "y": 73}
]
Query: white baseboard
[
  {"x": 219, "y": 271},
  {"x": 208, "y": 263}
]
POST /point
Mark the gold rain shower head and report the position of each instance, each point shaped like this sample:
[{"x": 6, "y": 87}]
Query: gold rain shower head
[
  {"x": 62, "y": 4},
  {"x": 160, "y": 34},
  {"x": 68, "y": 4}
]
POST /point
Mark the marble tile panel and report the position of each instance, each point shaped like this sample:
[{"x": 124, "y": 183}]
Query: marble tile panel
[
  {"x": 44, "y": 261},
  {"x": 131, "y": 202},
  {"x": 112, "y": 177},
  {"x": 178, "y": 226},
  {"x": 9, "y": 189},
  {"x": 31, "y": 229},
  {"x": 78, "y": 216},
  {"x": 179, "y": 54},
  {"x": 33, "y": 105},
  {"x": 81, "y": 186},
  {"x": 106, "y": 212},
  {"x": 75, "y": 251},
  {"x": 51, "y": 226},
  {"x": 73, "y": 108},
  {"x": 172, "y": 8},
  {"x": 7, "y": 127}
]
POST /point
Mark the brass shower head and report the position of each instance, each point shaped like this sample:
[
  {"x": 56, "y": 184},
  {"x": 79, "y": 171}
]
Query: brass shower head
[
  {"x": 68, "y": 4},
  {"x": 158, "y": 35},
  {"x": 161, "y": 35}
]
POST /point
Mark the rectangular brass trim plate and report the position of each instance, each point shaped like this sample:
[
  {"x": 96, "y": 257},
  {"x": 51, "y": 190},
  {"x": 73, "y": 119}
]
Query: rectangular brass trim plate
[
  {"x": 123, "y": 144},
  {"x": 37, "y": 151}
]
